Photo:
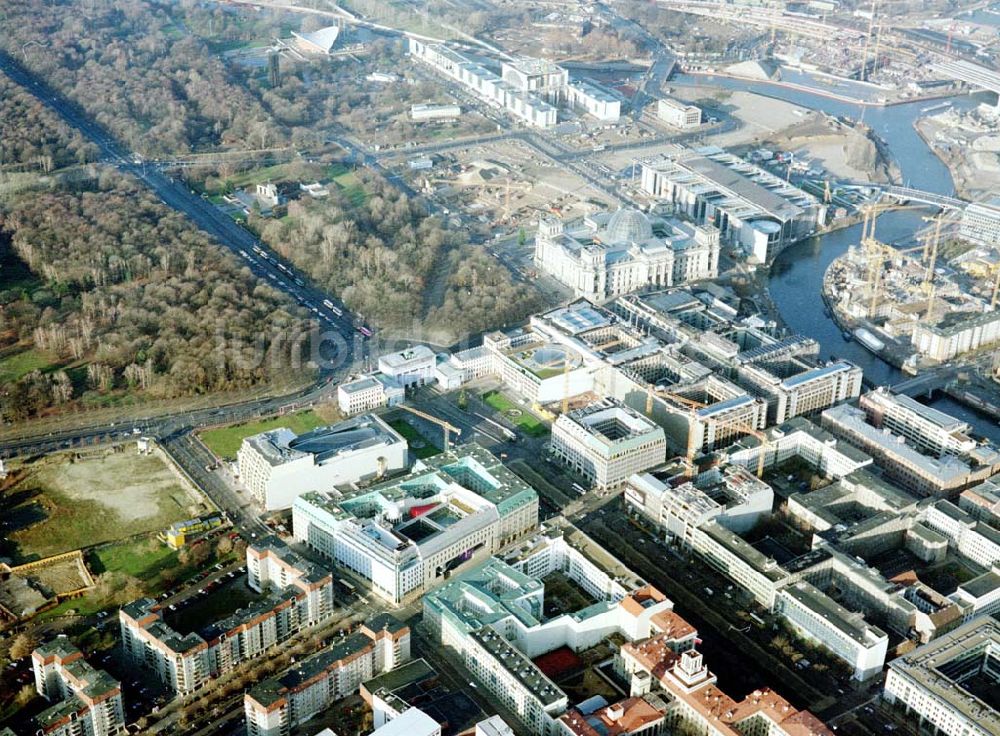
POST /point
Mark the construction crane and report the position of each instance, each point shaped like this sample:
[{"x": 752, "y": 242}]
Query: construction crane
[
  {"x": 868, "y": 41},
  {"x": 692, "y": 448},
  {"x": 445, "y": 426},
  {"x": 928, "y": 284},
  {"x": 565, "y": 400},
  {"x": 996, "y": 287},
  {"x": 877, "y": 252}
]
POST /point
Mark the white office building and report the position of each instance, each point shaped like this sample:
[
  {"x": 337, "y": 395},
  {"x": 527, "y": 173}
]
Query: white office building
[
  {"x": 606, "y": 442},
  {"x": 815, "y": 616},
  {"x": 678, "y": 114},
  {"x": 974, "y": 540},
  {"x": 410, "y": 367},
  {"x": 800, "y": 438},
  {"x": 981, "y": 222},
  {"x": 753, "y": 209},
  {"x": 928, "y": 684},
  {"x": 608, "y": 254},
  {"x": 86, "y": 702},
  {"x": 521, "y": 91},
  {"x": 806, "y": 391},
  {"x": 493, "y": 617},
  {"x": 979, "y": 596},
  {"x": 408, "y": 535},
  {"x": 956, "y": 334},
  {"x": 277, "y": 466},
  {"x": 734, "y": 498},
  {"x": 924, "y": 427},
  {"x": 367, "y": 394},
  {"x": 593, "y": 100}
]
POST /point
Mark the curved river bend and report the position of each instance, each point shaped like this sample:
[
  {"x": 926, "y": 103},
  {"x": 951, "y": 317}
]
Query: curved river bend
[{"x": 796, "y": 279}]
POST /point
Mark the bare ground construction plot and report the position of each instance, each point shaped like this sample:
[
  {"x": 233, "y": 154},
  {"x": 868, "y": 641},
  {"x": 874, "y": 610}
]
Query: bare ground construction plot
[
  {"x": 69, "y": 501},
  {"x": 523, "y": 180}
]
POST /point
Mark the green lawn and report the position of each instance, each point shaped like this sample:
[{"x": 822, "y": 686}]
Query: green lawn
[
  {"x": 425, "y": 448},
  {"x": 225, "y": 441},
  {"x": 21, "y": 364},
  {"x": 143, "y": 558},
  {"x": 524, "y": 419},
  {"x": 349, "y": 184}
]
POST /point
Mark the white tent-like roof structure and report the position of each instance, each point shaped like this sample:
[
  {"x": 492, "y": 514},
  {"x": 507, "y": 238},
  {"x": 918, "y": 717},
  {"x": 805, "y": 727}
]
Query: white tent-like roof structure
[{"x": 320, "y": 41}]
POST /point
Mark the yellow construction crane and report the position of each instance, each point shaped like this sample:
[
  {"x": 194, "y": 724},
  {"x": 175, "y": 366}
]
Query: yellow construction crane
[
  {"x": 692, "y": 448},
  {"x": 877, "y": 253},
  {"x": 434, "y": 420},
  {"x": 996, "y": 287},
  {"x": 868, "y": 41},
  {"x": 928, "y": 284}
]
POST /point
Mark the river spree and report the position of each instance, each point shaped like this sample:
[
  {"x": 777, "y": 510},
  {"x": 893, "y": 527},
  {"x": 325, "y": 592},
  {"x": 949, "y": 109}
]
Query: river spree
[{"x": 796, "y": 280}]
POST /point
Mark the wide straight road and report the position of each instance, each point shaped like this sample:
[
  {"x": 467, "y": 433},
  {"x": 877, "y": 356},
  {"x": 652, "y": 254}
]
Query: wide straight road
[{"x": 175, "y": 194}]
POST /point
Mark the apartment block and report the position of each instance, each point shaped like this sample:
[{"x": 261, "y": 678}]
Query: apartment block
[
  {"x": 186, "y": 662},
  {"x": 86, "y": 701},
  {"x": 276, "y": 706}
]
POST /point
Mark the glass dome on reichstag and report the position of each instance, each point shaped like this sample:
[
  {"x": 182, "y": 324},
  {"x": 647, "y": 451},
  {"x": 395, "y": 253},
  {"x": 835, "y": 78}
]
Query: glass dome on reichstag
[{"x": 627, "y": 226}]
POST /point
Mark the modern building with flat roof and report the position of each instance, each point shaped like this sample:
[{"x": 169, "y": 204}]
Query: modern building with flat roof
[
  {"x": 678, "y": 114},
  {"x": 955, "y": 334},
  {"x": 521, "y": 91},
  {"x": 410, "y": 367},
  {"x": 793, "y": 388},
  {"x": 409, "y": 534},
  {"x": 812, "y": 614},
  {"x": 494, "y": 617},
  {"x": 981, "y": 222},
  {"x": 733, "y": 497},
  {"x": 926, "y": 428},
  {"x": 904, "y": 464},
  {"x": 802, "y": 439},
  {"x": 86, "y": 701},
  {"x": 944, "y": 684},
  {"x": 367, "y": 394},
  {"x": 752, "y": 208},
  {"x": 277, "y": 466},
  {"x": 606, "y": 442},
  {"x": 594, "y": 100}
]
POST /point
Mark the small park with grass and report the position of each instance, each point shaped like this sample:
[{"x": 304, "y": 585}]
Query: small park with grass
[
  {"x": 420, "y": 447},
  {"x": 519, "y": 416},
  {"x": 224, "y": 442}
]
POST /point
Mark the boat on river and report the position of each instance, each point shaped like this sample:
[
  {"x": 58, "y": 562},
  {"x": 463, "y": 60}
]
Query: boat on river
[{"x": 868, "y": 340}]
